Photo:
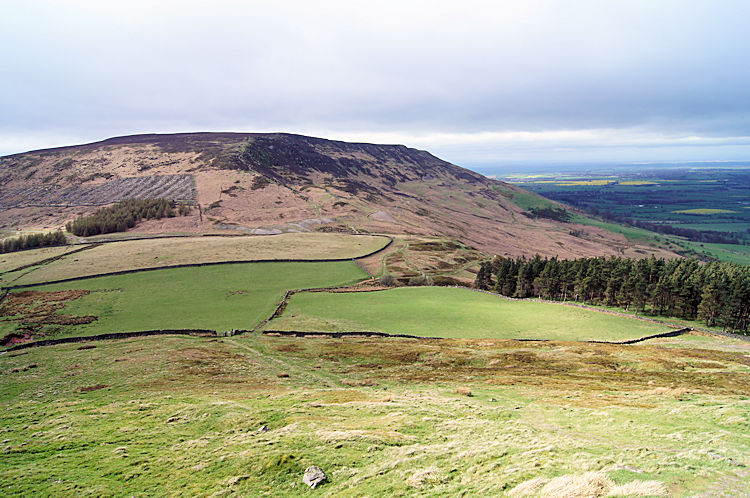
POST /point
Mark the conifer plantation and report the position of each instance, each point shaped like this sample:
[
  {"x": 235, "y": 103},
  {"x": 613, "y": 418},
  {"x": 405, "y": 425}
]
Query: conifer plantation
[
  {"x": 716, "y": 293},
  {"x": 33, "y": 241},
  {"x": 123, "y": 215}
]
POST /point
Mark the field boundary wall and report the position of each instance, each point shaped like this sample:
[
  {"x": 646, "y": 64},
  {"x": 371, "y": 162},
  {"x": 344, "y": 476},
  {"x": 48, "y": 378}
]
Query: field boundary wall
[{"x": 195, "y": 265}]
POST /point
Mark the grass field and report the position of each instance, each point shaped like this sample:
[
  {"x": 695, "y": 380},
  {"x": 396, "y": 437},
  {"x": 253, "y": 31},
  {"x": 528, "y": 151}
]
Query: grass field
[
  {"x": 181, "y": 416},
  {"x": 633, "y": 234},
  {"x": 451, "y": 312},
  {"x": 219, "y": 297},
  {"x": 732, "y": 253},
  {"x": 150, "y": 253},
  {"x": 12, "y": 260}
]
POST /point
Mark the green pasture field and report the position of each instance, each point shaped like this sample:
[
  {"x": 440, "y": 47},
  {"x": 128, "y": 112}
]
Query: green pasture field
[
  {"x": 455, "y": 313},
  {"x": 633, "y": 234},
  {"x": 221, "y": 297},
  {"x": 167, "y": 416},
  {"x": 136, "y": 254},
  {"x": 721, "y": 227},
  {"x": 732, "y": 253}
]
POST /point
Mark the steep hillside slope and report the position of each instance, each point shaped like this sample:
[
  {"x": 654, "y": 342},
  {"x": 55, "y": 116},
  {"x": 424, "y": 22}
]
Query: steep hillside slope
[{"x": 266, "y": 183}]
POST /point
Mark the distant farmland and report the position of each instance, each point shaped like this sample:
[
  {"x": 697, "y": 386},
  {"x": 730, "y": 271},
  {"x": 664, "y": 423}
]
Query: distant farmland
[{"x": 711, "y": 201}]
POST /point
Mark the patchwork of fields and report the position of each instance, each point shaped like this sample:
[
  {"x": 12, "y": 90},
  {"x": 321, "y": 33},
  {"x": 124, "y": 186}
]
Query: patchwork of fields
[
  {"x": 475, "y": 412},
  {"x": 221, "y": 297},
  {"x": 704, "y": 200},
  {"x": 160, "y": 252}
]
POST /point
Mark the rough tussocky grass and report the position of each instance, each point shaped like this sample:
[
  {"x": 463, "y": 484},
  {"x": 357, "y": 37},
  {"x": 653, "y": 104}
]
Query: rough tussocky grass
[
  {"x": 180, "y": 416},
  {"x": 12, "y": 260},
  {"x": 222, "y": 297},
  {"x": 454, "y": 312},
  {"x": 135, "y": 254}
]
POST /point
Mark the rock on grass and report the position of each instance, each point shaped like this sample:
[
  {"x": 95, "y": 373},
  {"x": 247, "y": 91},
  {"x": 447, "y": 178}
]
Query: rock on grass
[{"x": 314, "y": 475}]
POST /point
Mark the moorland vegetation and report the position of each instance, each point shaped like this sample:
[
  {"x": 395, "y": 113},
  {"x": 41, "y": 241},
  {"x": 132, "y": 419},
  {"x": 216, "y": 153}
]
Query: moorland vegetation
[{"x": 246, "y": 415}]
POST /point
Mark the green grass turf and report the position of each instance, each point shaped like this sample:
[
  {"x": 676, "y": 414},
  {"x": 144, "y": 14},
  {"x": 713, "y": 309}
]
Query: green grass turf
[
  {"x": 631, "y": 233},
  {"x": 179, "y": 416},
  {"x": 451, "y": 312},
  {"x": 219, "y": 297}
]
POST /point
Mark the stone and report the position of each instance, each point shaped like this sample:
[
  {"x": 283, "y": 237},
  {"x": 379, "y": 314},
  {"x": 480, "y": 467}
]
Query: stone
[
  {"x": 314, "y": 475},
  {"x": 264, "y": 429}
]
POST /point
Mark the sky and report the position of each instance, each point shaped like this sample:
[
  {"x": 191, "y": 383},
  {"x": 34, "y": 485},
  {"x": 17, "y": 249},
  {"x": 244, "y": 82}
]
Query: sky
[{"x": 479, "y": 83}]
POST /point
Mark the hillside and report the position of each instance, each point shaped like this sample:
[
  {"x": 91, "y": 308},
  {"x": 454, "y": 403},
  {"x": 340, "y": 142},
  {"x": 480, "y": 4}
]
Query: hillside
[{"x": 271, "y": 183}]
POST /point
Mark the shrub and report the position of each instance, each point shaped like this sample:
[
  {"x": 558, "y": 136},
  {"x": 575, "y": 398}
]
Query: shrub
[
  {"x": 419, "y": 281},
  {"x": 388, "y": 281},
  {"x": 442, "y": 280},
  {"x": 552, "y": 213}
]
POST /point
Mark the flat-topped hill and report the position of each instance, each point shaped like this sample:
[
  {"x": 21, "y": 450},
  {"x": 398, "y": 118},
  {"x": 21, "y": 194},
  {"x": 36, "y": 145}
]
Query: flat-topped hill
[{"x": 278, "y": 182}]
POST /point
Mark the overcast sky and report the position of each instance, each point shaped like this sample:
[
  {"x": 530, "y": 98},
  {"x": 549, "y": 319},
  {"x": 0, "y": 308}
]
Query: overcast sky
[{"x": 477, "y": 83}]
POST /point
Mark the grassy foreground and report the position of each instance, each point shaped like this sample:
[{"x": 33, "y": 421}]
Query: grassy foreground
[
  {"x": 220, "y": 297},
  {"x": 151, "y": 253},
  {"x": 454, "y": 312},
  {"x": 181, "y": 416}
]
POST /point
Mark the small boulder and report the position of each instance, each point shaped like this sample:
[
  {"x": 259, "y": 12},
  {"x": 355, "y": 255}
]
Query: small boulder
[
  {"x": 314, "y": 475},
  {"x": 264, "y": 429}
]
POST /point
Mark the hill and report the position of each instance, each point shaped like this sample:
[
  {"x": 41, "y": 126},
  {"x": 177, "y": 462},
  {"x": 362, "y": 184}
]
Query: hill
[{"x": 271, "y": 183}]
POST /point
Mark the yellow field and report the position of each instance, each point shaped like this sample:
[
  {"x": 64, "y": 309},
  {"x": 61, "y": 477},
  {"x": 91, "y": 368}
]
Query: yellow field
[
  {"x": 576, "y": 183},
  {"x": 637, "y": 182},
  {"x": 135, "y": 254},
  {"x": 704, "y": 211}
]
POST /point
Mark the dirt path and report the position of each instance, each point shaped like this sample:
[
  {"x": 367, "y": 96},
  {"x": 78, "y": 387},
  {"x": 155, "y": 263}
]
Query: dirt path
[{"x": 285, "y": 367}]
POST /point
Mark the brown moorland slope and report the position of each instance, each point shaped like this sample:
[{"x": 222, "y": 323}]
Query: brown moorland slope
[{"x": 267, "y": 183}]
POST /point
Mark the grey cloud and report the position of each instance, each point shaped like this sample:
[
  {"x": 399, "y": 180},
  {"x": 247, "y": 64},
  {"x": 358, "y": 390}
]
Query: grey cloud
[{"x": 82, "y": 68}]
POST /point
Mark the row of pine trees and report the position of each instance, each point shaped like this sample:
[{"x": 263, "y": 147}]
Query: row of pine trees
[
  {"x": 33, "y": 241},
  {"x": 121, "y": 216},
  {"x": 715, "y": 293}
]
